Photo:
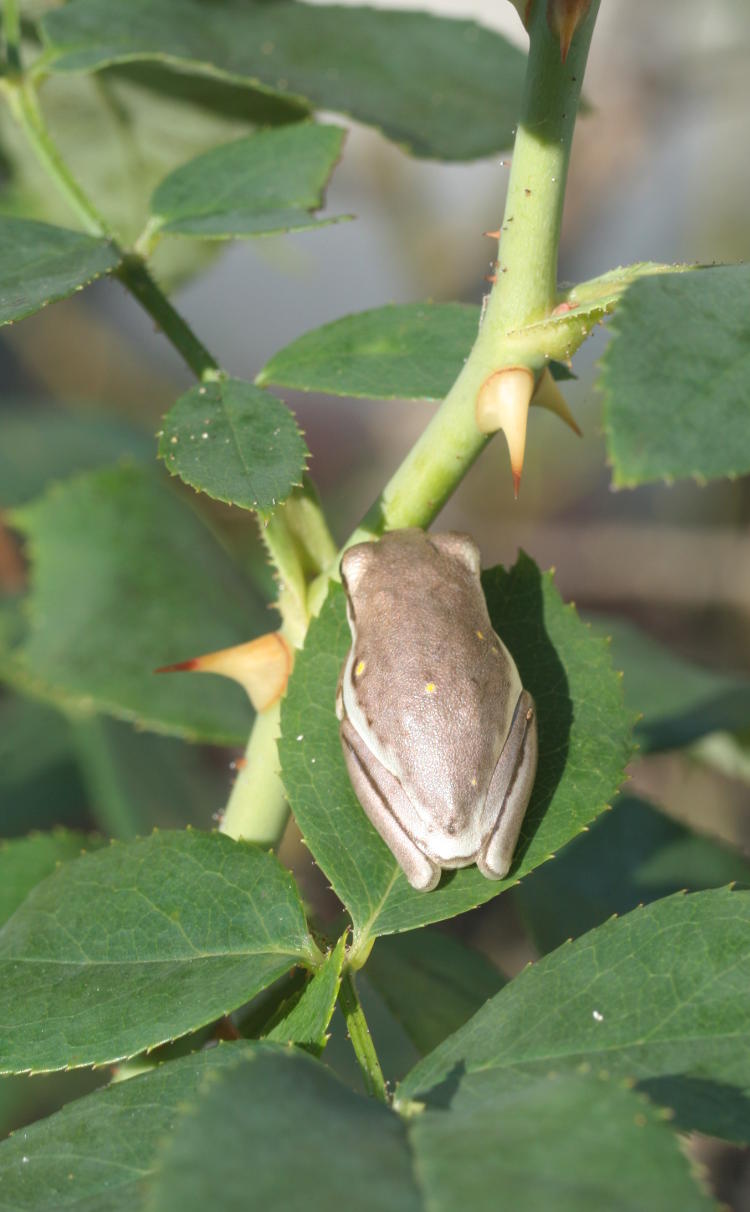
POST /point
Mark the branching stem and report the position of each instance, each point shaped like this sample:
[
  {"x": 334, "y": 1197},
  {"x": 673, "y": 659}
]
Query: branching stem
[
  {"x": 526, "y": 285},
  {"x": 12, "y": 35},
  {"x": 133, "y": 271}
]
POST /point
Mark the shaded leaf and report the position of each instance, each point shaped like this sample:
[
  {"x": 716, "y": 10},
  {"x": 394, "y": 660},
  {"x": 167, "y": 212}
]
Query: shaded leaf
[
  {"x": 674, "y": 378},
  {"x": 40, "y": 264},
  {"x": 26, "y": 861},
  {"x": 632, "y": 855},
  {"x": 133, "y": 945},
  {"x": 96, "y": 1154},
  {"x": 44, "y": 443},
  {"x": 33, "y": 738},
  {"x": 440, "y": 87},
  {"x": 570, "y": 1142},
  {"x": 126, "y": 578},
  {"x": 266, "y": 1125},
  {"x": 661, "y": 993},
  {"x": 679, "y": 701},
  {"x": 135, "y": 780},
  {"x": 305, "y": 1021},
  {"x": 52, "y": 767},
  {"x": 431, "y": 983},
  {"x": 282, "y": 1127},
  {"x": 263, "y": 184},
  {"x": 584, "y": 743},
  {"x": 408, "y": 351},
  {"x": 234, "y": 442},
  {"x": 40, "y": 786},
  {"x": 123, "y": 131}
]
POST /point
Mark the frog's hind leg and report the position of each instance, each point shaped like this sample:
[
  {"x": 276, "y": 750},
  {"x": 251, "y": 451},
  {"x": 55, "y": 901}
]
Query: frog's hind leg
[
  {"x": 376, "y": 788},
  {"x": 510, "y": 790}
]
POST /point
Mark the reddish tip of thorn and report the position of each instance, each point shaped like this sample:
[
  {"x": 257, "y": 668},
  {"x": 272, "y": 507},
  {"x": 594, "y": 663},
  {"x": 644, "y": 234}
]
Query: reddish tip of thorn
[
  {"x": 179, "y": 667},
  {"x": 516, "y": 483},
  {"x": 494, "y": 235}
]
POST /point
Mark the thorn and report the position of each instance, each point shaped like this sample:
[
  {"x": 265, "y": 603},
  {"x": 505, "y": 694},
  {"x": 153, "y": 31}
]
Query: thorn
[
  {"x": 261, "y": 666},
  {"x": 548, "y": 395},
  {"x": 503, "y": 403},
  {"x": 494, "y": 235},
  {"x": 490, "y": 277},
  {"x": 563, "y": 18},
  {"x": 523, "y": 8}
]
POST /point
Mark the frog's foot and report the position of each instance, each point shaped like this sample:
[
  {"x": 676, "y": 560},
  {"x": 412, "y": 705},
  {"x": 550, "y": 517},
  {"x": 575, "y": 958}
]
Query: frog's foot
[
  {"x": 377, "y": 790},
  {"x": 510, "y": 790}
]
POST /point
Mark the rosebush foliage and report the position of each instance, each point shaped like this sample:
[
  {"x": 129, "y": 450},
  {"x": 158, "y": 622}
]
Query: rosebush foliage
[{"x": 555, "y": 1088}]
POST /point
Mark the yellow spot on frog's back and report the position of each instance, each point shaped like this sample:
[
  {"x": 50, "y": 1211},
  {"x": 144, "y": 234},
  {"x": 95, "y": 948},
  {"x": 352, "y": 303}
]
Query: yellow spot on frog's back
[
  {"x": 429, "y": 688},
  {"x": 479, "y": 635},
  {"x": 496, "y": 650},
  {"x": 360, "y": 668},
  {"x": 473, "y": 782}
]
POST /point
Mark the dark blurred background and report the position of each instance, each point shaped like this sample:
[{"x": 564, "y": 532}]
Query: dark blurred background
[{"x": 660, "y": 171}]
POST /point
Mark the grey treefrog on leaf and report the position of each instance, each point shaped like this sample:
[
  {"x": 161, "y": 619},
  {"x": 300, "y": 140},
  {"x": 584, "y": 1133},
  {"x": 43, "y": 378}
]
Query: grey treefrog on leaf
[{"x": 439, "y": 735}]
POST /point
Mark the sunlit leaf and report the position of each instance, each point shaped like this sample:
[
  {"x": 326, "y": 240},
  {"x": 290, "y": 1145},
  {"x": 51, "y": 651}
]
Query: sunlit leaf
[
  {"x": 584, "y": 743},
  {"x": 659, "y": 995},
  {"x": 26, "y": 861},
  {"x": 675, "y": 378},
  {"x": 235, "y": 442},
  {"x": 407, "y": 351},
  {"x": 264, "y": 184},
  {"x": 141, "y": 942}
]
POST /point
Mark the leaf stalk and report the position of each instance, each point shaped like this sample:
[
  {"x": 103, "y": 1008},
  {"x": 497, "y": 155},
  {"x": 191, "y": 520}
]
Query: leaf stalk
[{"x": 359, "y": 1033}]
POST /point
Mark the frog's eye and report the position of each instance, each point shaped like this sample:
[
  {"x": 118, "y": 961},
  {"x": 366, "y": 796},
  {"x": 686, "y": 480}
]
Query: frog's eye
[
  {"x": 460, "y": 547},
  {"x": 354, "y": 561}
]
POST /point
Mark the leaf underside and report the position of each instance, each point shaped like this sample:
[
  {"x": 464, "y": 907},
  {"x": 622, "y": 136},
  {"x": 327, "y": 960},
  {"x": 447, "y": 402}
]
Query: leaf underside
[
  {"x": 406, "y": 351},
  {"x": 263, "y": 184},
  {"x": 158, "y": 589},
  {"x": 40, "y": 264},
  {"x": 386, "y": 69}
]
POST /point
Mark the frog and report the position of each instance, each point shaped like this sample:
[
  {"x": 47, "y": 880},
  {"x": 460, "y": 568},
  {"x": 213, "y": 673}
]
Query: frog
[{"x": 438, "y": 733}]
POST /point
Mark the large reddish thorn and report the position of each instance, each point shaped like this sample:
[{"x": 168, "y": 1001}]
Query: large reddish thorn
[{"x": 261, "y": 666}]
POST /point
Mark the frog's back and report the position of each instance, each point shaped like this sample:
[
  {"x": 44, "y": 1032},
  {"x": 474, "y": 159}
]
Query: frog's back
[{"x": 434, "y": 683}]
